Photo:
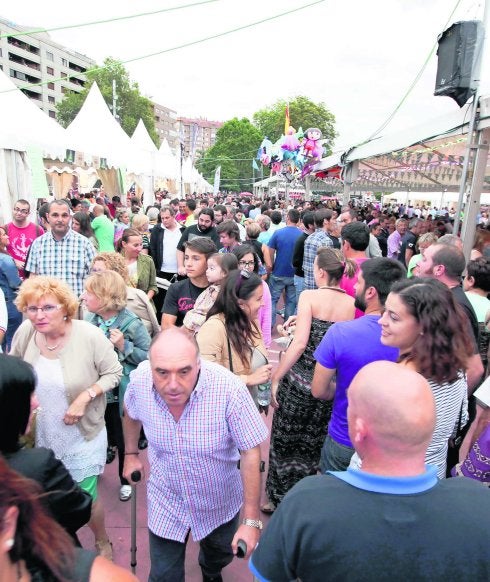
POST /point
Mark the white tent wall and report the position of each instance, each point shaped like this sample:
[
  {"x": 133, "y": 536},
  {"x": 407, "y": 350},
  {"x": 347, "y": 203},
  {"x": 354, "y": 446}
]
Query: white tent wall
[{"x": 15, "y": 182}]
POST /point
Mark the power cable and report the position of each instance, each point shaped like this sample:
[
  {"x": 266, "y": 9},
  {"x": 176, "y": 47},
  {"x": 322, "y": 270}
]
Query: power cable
[
  {"x": 184, "y": 45},
  {"x": 114, "y": 19},
  {"x": 412, "y": 85}
]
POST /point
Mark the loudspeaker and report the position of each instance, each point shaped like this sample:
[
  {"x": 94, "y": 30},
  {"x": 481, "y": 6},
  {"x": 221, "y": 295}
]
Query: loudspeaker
[{"x": 459, "y": 48}]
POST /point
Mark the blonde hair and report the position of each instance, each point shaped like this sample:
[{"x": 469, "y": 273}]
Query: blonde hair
[
  {"x": 114, "y": 262},
  {"x": 140, "y": 220},
  {"x": 109, "y": 288},
  {"x": 32, "y": 290}
]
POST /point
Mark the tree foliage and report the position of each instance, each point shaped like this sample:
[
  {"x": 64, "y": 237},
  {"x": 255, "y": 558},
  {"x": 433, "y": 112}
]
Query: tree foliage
[
  {"x": 302, "y": 113},
  {"x": 131, "y": 105},
  {"x": 236, "y": 144}
]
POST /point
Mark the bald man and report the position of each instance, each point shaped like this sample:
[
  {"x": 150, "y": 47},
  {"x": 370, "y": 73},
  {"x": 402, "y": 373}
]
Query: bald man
[
  {"x": 392, "y": 520},
  {"x": 199, "y": 420}
]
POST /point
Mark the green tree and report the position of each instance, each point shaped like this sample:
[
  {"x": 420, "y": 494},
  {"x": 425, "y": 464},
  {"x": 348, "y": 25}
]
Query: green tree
[
  {"x": 237, "y": 142},
  {"x": 131, "y": 105},
  {"x": 302, "y": 113}
]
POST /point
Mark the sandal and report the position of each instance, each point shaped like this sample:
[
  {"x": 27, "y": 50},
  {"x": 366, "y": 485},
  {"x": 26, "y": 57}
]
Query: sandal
[
  {"x": 104, "y": 549},
  {"x": 268, "y": 508}
]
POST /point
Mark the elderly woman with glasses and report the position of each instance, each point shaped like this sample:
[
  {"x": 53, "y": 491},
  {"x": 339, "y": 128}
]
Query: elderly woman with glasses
[
  {"x": 75, "y": 366},
  {"x": 105, "y": 297},
  {"x": 231, "y": 334}
]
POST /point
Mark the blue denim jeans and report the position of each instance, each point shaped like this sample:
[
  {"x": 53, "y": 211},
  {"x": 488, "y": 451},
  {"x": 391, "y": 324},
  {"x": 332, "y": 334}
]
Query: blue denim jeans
[
  {"x": 277, "y": 285},
  {"x": 14, "y": 320},
  {"x": 299, "y": 285},
  {"x": 335, "y": 457},
  {"x": 168, "y": 556}
]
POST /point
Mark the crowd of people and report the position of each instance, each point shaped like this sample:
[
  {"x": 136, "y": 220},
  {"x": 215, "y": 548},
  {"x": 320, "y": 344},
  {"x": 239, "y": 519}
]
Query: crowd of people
[{"x": 130, "y": 327}]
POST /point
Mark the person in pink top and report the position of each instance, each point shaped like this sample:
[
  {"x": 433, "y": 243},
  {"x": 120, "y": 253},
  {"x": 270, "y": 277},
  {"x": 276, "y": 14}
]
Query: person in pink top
[
  {"x": 248, "y": 260},
  {"x": 355, "y": 241},
  {"x": 21, "y": 233}
]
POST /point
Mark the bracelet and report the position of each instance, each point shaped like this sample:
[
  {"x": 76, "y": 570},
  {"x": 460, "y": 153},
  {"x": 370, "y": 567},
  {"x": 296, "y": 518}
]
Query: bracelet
[{"x": 131, "y": 453}]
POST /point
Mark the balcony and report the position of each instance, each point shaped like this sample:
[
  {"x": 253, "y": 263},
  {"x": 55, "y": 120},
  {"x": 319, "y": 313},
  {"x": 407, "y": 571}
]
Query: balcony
[
  {"x": 76, "y": 68},
  {"x": 32, "y": 94},
  {"x": 14, "y": 58},
  {"x": 26, "y": 78},
  {"x": 23, "y": 45}
]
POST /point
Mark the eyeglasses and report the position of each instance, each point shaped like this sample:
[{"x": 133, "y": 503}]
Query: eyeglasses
[
  {"x": 47, "y": 309},
  {"x": 246, "y": 263},
  {"x": 242, "y": 275},
  {"x": 21, "y": 211}
]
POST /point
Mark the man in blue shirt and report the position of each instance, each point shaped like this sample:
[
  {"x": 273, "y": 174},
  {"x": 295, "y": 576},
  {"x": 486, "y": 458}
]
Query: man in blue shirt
[
  {"x": 346, "y": 348},
  {"x": 279, "y": 263},
  {"x": 393, "y": 519}
]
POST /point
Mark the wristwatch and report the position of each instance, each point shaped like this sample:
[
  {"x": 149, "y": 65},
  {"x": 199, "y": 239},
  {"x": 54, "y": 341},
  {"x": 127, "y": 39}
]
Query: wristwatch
[
  {"x": 253, "y": 523},
  {"x": 92, "y": 393}
]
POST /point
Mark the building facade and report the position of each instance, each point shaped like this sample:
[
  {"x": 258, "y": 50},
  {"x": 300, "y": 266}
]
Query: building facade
[
  {"x": 197, "y": 135},
  {"x": 166, "y": 125},
  {"x": 35, "y": 58}
]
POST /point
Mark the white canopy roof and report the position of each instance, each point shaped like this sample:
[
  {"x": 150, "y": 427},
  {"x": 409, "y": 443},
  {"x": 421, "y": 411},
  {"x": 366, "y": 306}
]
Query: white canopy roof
[
  {"x": 169, "y": 163},
  {"x": 23, "y": 124},
  {"x": 95, "y": 132}
]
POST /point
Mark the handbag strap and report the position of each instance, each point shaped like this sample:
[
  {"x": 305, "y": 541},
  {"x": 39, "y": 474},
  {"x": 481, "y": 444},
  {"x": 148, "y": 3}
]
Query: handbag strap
[{"x": 229, "y": 351}]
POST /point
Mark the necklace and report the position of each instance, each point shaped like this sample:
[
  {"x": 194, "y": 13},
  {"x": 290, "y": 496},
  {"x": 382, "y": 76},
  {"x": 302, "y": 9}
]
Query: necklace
[
  {"x": 51, "y": 348},
  {"x": 332, "y": 288}
]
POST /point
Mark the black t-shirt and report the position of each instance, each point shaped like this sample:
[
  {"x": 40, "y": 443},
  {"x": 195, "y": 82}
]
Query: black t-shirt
[
  {"x": 194, "y": 231},
  {"x": 326, "y": 529},
  {"x": 460, "y": 298},
  {"x": 180, "y": 299},
  {"x": 409, "y": 241}
]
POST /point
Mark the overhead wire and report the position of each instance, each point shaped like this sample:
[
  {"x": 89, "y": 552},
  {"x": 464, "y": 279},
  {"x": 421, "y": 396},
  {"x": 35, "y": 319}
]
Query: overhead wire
[
  {"x": 178, "y": 47},
  {"x": 106, "y": 21},
  {"x": 412, "y": 85}
]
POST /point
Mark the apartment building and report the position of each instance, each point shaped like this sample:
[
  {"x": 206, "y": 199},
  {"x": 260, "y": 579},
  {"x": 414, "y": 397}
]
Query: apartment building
[
  {"x": 197, "y": 134},
  {"x": 35, "y": 58},
  {"x": 166, "y": 125}
]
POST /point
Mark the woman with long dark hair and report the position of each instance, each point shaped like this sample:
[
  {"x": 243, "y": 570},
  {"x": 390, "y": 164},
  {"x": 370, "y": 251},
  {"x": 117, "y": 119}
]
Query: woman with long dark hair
[
  {"x": 34, "y": 548},
  {"x": 298, "y": 425},
  {"x": 231, "y": 335},
  {"x": 424, "y": 322},
  {"x": 248, "y": 260}
]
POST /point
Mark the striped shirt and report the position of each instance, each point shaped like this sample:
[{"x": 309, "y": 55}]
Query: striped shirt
[
  {"x": 315, "y": 241},
  {"x": 194, "y": 482},
  {"x": 68, "y": 259},
  {"x": 451, "y": 401}
]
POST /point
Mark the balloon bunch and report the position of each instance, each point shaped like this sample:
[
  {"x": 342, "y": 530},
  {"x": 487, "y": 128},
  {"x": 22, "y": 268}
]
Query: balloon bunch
[{"x": 293, "y": 154}]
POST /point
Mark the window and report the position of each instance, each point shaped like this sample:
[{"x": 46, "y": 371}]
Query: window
[
  {"x": 49, "y": 56},
  {"x": 52, "y": 114},
  {"x": 50, "y": 70},
  {"x": 0, "y": 51},
  {"x": 64, "y": 62},
  {"x": 51, "y": 99},
  {"x": 51, "y": 86}
]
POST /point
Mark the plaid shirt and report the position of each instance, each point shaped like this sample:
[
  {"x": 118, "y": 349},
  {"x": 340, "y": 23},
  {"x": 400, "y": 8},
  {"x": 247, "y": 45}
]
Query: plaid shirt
[
  {"x": 315, "y": 241},
  {"x": 194, "y": 482},
  {"x": 68, "y": 259}
]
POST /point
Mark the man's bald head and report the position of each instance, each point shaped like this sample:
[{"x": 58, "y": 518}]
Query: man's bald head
[
  {"x": 98, "y": 210},
  {"x": 173, "y": 339},
  {"x": 391, "y": 411}
]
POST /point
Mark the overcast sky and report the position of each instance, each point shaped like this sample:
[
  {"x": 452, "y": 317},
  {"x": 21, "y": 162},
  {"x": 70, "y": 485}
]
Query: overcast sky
[{"x": 358, "y": 57}]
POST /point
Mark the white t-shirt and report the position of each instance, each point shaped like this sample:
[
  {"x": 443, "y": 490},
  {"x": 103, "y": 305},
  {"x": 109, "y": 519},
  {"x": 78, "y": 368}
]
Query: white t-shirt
[{"x": 171, "y": 239}]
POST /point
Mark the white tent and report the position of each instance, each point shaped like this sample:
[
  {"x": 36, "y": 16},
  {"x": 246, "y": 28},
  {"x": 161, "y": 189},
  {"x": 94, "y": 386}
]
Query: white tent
[
  {"x": 96, "y": 133},
  {"x": 23, "y": 126},
  {"x": 168, "y": 160},
  {"x": 147, "y": 153}
]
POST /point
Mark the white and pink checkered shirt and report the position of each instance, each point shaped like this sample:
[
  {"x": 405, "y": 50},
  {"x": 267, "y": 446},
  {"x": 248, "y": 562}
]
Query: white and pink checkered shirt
[{"x": 194, "y": 482}]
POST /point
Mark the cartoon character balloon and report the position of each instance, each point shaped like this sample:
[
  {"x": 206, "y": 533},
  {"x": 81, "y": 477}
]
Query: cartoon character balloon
[{"x": 311, "y": 146}]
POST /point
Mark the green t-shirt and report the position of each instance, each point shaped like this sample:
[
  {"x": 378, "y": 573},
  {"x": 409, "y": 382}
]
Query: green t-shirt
[{"x": 104, "y": 233}]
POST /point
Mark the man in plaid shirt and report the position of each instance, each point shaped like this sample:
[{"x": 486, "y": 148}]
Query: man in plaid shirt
[
  {"x": 61, "y": 252},
  {"x": 315, "y": 241},
  {"x": 199, "y": 419}
]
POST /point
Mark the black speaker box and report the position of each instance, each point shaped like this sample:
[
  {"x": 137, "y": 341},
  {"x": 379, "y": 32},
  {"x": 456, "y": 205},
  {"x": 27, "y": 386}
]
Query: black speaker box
[{"x": 459, "y": 49}]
